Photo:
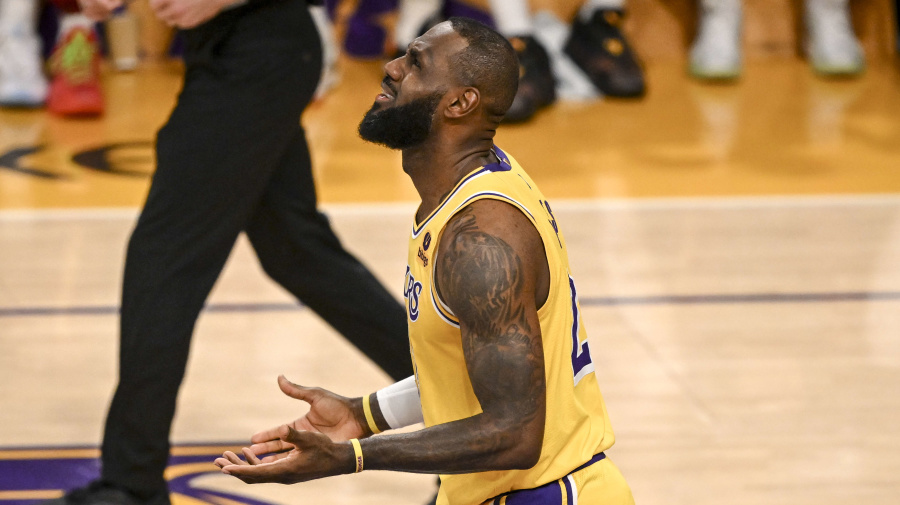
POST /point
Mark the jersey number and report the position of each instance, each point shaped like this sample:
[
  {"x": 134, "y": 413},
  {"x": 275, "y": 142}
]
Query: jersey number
[{"x": 581, "y": 353}]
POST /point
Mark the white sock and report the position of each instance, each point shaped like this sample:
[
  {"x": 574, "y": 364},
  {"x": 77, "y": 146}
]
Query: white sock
[
  {"x": 589, "y": 6},
  {"x": 411, "y": 15},
  {"x": 18, "y": 16},
  {"x": 512, "y": 17},
  {"x": 70, "y": 21},
  {"x": 814, "y": 4}
]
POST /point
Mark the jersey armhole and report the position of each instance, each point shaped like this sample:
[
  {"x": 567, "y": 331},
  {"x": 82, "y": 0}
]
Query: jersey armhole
[{"x": 442, "y": 308}]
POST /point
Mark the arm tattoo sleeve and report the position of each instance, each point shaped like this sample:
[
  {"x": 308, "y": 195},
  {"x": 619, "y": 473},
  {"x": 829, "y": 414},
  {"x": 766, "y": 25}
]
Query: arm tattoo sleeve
[{"x": 481, "y": 277}]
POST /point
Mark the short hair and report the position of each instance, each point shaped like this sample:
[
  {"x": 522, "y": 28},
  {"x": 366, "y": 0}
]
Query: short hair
[{"x": 489, "y": 63}]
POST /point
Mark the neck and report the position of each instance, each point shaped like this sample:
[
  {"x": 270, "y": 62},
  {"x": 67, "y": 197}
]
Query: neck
[{"x": 435, "y": 168}]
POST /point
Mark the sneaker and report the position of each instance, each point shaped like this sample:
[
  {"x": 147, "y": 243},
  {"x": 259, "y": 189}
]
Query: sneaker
[
  {"x": 830, "y": 42},
  {"x": 537, "y": 87},
  {"x": 75, "y": 66},
  {"x": 22, "y": 81},
  {"x": 95, "y": 493},
  {"x": 599, "y": 48},
  {"x": 716, "y": 53}
]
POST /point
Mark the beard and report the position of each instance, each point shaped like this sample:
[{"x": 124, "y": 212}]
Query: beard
[{"x": 401, "y": 126}]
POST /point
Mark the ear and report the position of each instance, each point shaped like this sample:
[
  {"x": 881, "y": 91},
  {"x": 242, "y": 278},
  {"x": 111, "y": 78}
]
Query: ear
[{"x": 467, "y": 101}]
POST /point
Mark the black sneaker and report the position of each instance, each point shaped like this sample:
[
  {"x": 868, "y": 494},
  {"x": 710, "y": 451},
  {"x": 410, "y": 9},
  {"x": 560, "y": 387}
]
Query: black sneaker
[
  {"x": 599, "y": 48},
  {"x": 95, "y": 493},
  {"x": 537, "y": 87}
]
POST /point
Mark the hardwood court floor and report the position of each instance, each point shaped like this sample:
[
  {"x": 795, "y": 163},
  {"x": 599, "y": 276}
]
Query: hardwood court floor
[{"x": 735, "y": 248}]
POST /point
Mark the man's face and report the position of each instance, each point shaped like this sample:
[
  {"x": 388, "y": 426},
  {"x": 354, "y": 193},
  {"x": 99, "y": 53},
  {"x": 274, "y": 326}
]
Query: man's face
[{"x": 413, "y": 88}]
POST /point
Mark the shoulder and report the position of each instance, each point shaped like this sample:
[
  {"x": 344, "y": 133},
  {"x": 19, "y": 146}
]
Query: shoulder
[
  {"x": 489, "y": 222},
  {"x": 487, "y": 248}
]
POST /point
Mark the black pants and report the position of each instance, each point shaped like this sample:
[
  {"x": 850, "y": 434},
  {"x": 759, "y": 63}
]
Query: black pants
[{"x": 232, "y": 158}]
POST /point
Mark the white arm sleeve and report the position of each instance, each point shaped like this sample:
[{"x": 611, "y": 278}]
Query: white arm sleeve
[{"x": 400, "y": 403}]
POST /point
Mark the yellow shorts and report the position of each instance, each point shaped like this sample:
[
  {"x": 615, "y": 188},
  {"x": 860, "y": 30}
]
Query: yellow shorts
[{"x": 599, "y": 483}]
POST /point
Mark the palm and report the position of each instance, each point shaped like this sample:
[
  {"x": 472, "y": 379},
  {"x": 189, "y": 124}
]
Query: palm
[{"x": 330, "y": 415}]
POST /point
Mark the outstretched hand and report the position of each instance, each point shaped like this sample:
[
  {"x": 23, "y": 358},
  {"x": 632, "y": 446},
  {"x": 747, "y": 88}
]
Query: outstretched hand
[
  {"x": 286, "y": 453},
  {"x": 312, "y": 456},
  {"x": 329, "y": 414}
]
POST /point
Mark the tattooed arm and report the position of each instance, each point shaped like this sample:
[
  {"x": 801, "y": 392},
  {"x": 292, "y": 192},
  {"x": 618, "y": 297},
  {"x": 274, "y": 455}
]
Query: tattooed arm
[{"x": 492, "y": 272}]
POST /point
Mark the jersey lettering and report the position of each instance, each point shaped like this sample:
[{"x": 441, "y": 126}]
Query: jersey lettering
[
  {"x": 411, "y": 293},
  {"x": 581, "y": 353}
]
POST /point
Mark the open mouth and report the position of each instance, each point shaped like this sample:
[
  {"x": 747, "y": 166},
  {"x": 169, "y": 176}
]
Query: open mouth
[{"x": 386, "y": 94}]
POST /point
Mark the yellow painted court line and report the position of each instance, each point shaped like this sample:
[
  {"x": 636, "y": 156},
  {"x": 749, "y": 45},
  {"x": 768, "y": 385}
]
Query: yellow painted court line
[
  {"x": 50, "y": 453},
  {"x": 173, "y": 472},
  {"x": 43, "y": 494}
]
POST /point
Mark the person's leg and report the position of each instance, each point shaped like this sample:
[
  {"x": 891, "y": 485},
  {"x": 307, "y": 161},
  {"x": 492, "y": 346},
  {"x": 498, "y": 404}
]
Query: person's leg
[
  {"x": 537, "y": 86},
  {"x": 830, "y": 42},
  {"x": 598, "y": 46},
  {"x": 298, "y": 249},
  {"x": 716, "y": 51},
  {"x": 22, "y": 81},
  {"x": 250, "y": 73}
]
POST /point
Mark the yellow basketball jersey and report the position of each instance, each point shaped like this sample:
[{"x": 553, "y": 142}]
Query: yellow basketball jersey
[{"x": 577, "y": 426}]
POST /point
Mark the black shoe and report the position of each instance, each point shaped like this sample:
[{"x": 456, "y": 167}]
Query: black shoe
[
  {"x": 537, "y": 87},
  {"x": 95, "y": 493},
  {"x": 601, "y": 51}
]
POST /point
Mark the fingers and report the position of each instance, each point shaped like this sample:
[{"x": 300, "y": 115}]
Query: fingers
[
  {"x": 256, "y": 474},
  {"x": 265, "y": 436},
  {"x": 270, "y": 446},
  {"x": 275, "y": 439},
  {"x": 298, "y": 392},
  {"x": 302, "y": 440},
  {"x": 229, "y": 458},
  {"x": 271, "y": 458},
  {"x": 289, "y": 434},
  {"x": 249, "y": 456}
]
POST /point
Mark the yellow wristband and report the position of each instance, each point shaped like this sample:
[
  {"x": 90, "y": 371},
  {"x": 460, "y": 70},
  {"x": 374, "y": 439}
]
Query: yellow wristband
[
  {"x": 367, "y": 409},
  {"x": 357, "y": 450}
]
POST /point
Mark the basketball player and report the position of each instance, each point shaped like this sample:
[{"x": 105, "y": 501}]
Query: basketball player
[
  {"x": 504, "y": 378},
  {"x": 232, "y": 157}
]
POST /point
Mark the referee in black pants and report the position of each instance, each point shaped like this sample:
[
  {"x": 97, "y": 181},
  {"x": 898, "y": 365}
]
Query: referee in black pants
[{"x": 232, "y": 157}]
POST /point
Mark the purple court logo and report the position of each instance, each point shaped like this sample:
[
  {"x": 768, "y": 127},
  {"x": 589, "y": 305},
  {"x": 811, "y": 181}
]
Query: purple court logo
[{"x": 29, "y": 476}]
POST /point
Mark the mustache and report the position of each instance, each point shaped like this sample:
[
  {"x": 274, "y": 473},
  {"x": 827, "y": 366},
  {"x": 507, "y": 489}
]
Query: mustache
[{"x": 389, "y": 83}]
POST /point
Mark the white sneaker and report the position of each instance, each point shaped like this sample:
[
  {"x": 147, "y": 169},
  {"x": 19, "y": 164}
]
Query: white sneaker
[
  {"x": 830, "y": 42},
  {"x": 716, "y": 53},
  {"x": 22, "y": 80}
]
